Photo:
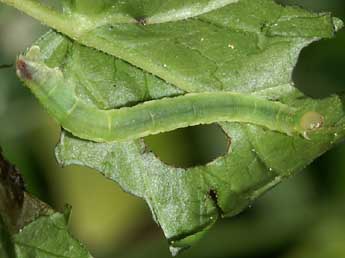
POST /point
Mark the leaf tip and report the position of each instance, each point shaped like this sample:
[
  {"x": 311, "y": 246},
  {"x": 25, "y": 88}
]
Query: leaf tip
[
  {"x": 67, "y": 211},
  {"x": 175, "y": 250}
]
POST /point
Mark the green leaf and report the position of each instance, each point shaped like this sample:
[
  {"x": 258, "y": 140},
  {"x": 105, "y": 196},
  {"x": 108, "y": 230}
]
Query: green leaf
[
  {"x": 28, "y": 227},
  {"x": 48, "y": 236},
  {"x": 248, "y": 47},
  {"x": 179, "y": 198},
  {"x": 221, "y": 49}
]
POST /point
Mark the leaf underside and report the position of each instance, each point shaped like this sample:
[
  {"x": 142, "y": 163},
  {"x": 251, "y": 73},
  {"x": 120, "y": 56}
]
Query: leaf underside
[{"x": 249, "y": 47}]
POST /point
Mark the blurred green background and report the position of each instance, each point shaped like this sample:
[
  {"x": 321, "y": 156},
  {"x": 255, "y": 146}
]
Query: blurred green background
[{"x": 301, "y": 218}]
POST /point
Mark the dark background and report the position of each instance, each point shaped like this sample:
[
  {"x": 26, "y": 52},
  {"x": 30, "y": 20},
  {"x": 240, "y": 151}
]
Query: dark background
[{"x": 301, "y": 218}]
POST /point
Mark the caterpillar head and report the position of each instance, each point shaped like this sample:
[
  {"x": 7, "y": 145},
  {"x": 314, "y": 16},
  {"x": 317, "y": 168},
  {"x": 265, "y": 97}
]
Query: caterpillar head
[{"x": 311, "y": 121}]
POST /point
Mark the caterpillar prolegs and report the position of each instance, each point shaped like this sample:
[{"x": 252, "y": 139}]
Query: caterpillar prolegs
[{"x": 156, "y": 116}]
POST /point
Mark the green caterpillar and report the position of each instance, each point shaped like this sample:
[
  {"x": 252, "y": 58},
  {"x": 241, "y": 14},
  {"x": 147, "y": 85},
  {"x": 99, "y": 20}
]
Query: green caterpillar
[{"x": 156, "y": 116}]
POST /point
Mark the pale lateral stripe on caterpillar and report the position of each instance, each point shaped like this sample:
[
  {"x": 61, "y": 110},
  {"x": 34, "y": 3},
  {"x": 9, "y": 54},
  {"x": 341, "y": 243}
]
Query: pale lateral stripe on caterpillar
[{"x": 156, "y": 116}]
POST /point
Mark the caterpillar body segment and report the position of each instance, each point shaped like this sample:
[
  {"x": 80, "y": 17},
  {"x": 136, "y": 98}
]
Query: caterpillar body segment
[{"x": 58, "y": 96}]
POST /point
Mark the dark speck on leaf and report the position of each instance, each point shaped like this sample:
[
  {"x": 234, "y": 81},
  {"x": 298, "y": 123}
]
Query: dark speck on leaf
[
  {"x": 141, "y": 21},
  {"x": 213, "y": 195}
]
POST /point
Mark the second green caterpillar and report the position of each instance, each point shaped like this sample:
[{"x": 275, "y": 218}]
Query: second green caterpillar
[{"x": 156, "y": 116}]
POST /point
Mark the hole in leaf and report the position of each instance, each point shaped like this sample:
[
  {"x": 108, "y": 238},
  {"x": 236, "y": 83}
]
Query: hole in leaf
[
  {"x": 191, "y": 146},
  {"x": 319, "y": 72}
]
